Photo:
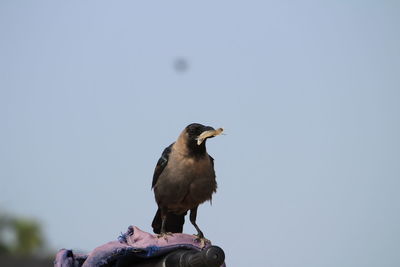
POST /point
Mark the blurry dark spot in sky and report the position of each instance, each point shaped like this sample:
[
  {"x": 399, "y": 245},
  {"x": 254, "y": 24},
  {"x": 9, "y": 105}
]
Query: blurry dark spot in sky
[{"x": 181, "y": 65}]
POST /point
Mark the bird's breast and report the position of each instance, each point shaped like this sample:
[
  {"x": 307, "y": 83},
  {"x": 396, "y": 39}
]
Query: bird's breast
[{"x": 186, "y": 182}]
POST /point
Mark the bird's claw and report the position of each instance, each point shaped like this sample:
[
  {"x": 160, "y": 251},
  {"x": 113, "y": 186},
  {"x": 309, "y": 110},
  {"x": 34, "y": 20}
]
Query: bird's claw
[
  {"x": 202, "y": 240},
  {"x": 165, "y": 235}
]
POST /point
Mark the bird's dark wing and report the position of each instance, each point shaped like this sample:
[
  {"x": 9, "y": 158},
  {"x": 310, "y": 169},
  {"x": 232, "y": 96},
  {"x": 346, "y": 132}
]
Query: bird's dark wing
[
  {"x": 212, "y": 161},
  {"x": 161, "y": 163},
  {"x": 174, "y": 222}
]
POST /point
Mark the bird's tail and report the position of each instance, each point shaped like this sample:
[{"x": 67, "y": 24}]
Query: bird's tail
[{"x": 174, "y": 222}]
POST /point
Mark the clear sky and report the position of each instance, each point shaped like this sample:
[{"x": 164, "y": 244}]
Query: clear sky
[{"x": 308, "y": 92}]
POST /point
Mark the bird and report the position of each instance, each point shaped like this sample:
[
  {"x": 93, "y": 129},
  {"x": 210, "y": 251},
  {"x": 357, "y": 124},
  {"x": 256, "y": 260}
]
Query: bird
[{"x": 184, "y": 178}]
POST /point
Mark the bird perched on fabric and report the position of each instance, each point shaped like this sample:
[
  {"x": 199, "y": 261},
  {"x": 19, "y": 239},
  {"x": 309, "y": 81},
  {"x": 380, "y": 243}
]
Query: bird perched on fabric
[{"x": 184, "y": 178}]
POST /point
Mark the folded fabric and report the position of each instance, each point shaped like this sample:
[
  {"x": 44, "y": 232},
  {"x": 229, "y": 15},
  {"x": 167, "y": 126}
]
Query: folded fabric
[{"x": 134, "y": 243}]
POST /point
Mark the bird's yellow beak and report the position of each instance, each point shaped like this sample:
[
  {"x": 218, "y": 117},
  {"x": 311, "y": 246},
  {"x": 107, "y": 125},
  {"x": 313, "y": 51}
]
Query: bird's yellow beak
[{"x": 208, "y": 134}]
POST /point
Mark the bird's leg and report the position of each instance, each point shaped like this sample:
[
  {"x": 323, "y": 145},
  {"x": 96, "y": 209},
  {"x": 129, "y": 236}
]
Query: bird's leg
[
  {"x": 200, "y": 236},
  {"x": 163, "y": 233}
]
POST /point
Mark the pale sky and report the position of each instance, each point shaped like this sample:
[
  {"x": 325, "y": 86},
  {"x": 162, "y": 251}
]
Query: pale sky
[{"x": 307, "y": 91}]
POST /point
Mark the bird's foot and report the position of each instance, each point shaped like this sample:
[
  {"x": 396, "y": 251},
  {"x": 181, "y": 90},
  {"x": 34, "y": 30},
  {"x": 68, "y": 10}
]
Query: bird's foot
[
  {"x": 202, "y": 240},
  {"x": 165, "y": 235}
]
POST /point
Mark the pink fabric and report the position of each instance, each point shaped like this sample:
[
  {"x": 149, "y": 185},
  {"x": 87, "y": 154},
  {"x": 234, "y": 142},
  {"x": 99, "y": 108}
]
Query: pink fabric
[
  {"x": 141, "y": 239},
  {"x": 135, "y": 241}
]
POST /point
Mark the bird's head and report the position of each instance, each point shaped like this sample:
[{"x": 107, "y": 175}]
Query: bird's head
[{"x": 197, "y": 133}]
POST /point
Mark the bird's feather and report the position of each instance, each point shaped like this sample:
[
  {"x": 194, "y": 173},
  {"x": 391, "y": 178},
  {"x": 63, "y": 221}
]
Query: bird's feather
[
  {"x": 174, "y": 222},
  {"x": 161, "y": 163},
  {"x": 212, "y": 161}
]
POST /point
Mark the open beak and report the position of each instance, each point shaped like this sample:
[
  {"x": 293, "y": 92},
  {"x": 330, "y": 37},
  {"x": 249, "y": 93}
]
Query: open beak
[{"x": 208, "y": 134}]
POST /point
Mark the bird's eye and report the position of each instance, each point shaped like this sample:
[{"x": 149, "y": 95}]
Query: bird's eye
[{"x": 194, "y": 131}]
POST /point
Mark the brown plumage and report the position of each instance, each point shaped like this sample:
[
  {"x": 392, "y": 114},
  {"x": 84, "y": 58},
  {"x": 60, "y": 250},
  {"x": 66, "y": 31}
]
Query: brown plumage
[{"x": 183, "y": 179}]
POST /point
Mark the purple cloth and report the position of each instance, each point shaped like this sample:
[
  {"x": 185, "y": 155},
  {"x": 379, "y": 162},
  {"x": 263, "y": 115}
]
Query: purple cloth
[{"x": 135, "y": 242}]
